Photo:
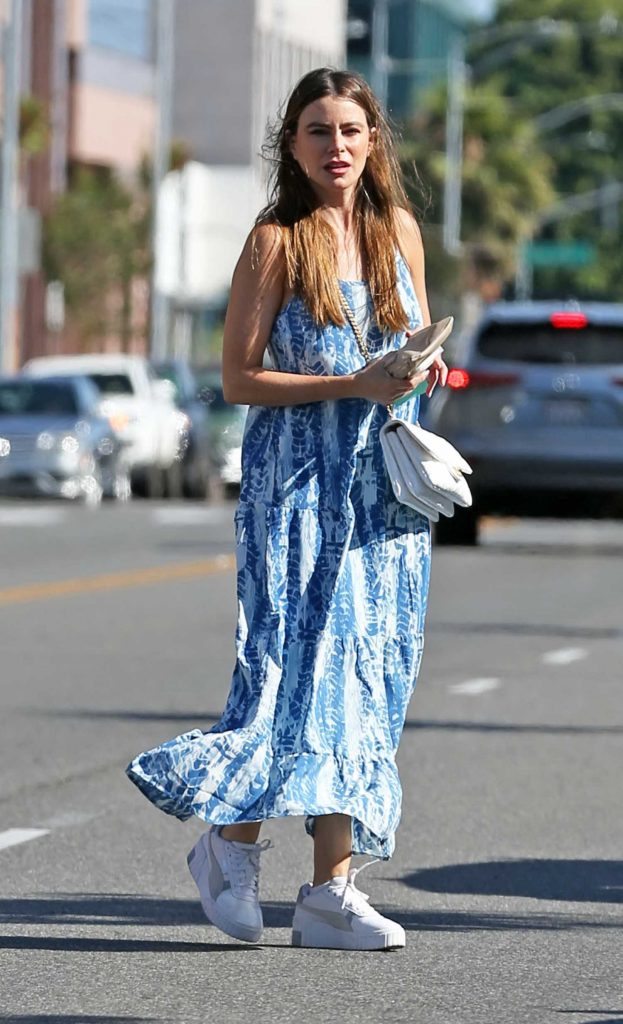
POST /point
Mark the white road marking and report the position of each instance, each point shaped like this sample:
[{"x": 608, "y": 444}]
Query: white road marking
[
  {"x": 189, "y": 516},
  {"x": 66, "y": 819},
  {"x": 22, "y": 515},
  {"x": 14, "y": 836},
  {"x": 564, "y": 655},
  {"x": 473, "y": 687}
]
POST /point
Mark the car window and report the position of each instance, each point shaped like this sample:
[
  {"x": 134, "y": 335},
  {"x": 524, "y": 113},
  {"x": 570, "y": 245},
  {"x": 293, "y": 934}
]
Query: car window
[
  {"x": 544, "y": 343},
  {"x": 112, "y": 383},
  {"x": 37, "y": 398}
]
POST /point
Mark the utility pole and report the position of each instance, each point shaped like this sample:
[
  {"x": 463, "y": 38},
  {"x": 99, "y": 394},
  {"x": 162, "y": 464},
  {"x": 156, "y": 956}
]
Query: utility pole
[
  {"x": 165, "y": 45},
  {"x": 378, "y": 50},
  {"x": 452, "y": 198},
  {"x": 9, "y": 197}
]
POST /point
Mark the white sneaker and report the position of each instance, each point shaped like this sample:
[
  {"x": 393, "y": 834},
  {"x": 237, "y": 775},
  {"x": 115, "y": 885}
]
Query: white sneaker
[
  {"x": 337, "y": 915},
  {"x": 227, "y": 875}
]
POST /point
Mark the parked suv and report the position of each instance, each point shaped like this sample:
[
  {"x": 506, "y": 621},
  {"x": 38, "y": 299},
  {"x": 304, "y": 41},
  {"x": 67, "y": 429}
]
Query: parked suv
[
  {"x": 536, "y": 407},
  {"x": 139, "y": 407}
]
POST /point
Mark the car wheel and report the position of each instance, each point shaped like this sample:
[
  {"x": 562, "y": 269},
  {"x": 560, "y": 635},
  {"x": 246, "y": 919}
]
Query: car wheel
[
  {"x": 197, "y": 483},
  {"x": 148, "y": 482},
  {"x": 461, "y": 529},
  {"x": 93, "y": 490},
  {"x": 172, "y": 478},
  {"x": 122, "y": 486}
]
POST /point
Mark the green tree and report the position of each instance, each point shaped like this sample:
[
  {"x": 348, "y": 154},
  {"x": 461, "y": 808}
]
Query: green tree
[
  {"x": 576, "y": 55},
  {"x": 506, "y": 181},
  {"x": 96, "y": 243}
]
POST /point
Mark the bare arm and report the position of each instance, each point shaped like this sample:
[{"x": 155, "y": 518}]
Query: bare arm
[
  {"x": 412, "y": 248},
  {"x": 256, "y": 297}
]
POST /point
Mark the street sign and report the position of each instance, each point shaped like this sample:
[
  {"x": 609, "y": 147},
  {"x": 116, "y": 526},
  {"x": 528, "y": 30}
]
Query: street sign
[{"x": 559, "y": 254}]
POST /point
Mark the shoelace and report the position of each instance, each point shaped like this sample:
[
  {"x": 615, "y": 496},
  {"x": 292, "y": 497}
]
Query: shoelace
[
  {"x": 351, "y": 892},
  {"x": 244, "y": 867}
]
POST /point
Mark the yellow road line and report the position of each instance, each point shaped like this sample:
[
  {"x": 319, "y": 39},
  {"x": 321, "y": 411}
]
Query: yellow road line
[{"x": 116, "y": 580}]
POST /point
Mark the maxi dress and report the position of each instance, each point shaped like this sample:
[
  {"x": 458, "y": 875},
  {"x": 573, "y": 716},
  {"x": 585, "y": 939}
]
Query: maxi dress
[{"x": 332, "y": 583}]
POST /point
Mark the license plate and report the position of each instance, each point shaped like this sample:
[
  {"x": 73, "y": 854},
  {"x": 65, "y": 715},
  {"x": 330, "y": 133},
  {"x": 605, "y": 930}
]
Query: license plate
[{"x": 566, "y": 412}]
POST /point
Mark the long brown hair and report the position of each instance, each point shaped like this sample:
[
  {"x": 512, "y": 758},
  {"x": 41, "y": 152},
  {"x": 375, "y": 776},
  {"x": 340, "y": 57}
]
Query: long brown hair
[{"x": 309, "y": 240}]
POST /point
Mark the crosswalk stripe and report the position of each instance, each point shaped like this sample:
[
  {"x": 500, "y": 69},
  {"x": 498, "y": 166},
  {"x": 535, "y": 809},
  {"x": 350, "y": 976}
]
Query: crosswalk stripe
[
  {"x": 180, "y": 515},
  {"x": 15, "y": 836},
  {"x": 473, "y": 687},
  {"x": 564, "y": 656},
  {"x": 21, "y": 515}
]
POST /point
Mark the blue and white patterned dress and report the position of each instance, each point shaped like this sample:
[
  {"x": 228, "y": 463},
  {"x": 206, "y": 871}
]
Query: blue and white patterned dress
[{"x": 332, "y": 587}]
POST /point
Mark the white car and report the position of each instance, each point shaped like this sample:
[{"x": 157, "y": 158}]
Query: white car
[{"x": 140, "y": 409}]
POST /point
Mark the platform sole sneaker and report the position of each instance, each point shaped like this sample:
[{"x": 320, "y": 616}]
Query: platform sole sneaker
[
  {"x": 235, "y": 912},
  {"x": 337, "y": 915}
]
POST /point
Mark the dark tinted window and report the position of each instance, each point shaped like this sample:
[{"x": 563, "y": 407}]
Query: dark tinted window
[
  {"x": 542, "y": 343},
  {"x": 37, "y": 399},
  {"x": 212, "y": 395},
  {"x": 112, "y": 383}
]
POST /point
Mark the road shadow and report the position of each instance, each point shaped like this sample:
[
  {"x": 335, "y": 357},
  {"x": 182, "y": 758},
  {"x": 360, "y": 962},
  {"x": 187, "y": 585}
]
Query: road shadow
[
  {"x": 575, "y": 881},
  {"x": 119, "y": 909},
  {"x": 79, "y": 944},
  {"x": 88, "y": 910},
  {"x": 607, "y": 1019},
  {"x": 61, "y": 1018},
  {"x": 510, "y": 727},
  {"x": 209, "y": 718},
  {"x": 529, "y": 629}
]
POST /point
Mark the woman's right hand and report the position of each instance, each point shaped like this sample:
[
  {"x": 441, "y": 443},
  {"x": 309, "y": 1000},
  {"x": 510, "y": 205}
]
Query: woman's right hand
[{"x": 377, "y": 385}]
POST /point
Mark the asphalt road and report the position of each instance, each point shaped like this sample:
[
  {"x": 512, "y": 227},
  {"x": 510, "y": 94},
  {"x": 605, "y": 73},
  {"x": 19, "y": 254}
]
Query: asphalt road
[{"x": 116, "y": 631}]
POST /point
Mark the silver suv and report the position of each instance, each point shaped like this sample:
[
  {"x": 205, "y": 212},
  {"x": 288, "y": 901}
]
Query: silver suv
[{"x": 536, "y": 407}]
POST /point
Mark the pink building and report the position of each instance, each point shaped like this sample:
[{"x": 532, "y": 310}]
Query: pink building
[{"x": 90, "y": 64}]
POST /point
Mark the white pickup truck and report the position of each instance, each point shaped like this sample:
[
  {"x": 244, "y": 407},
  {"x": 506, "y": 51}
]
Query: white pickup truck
[{"x": 140, "y": 409}]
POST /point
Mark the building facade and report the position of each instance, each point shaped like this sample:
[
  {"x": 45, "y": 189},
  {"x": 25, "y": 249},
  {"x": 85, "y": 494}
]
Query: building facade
[
  {"x": 421, "y": 35},
  {"x": 92, "y": 65},
  {"x": 235, "y": 64}
]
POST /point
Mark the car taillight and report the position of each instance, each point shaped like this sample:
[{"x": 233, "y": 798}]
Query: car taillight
[
  {"x": 565, "y": 319},
  {"x": 459, "y": 379}
]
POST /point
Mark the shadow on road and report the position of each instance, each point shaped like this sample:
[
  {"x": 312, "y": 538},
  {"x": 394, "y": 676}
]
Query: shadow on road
[
  {"x": 527, "y": 629},
  {"x": 585, "y": 881},
  {"x": 56, "y": 1018},
  {"x": 209, "y": 718},
  {"x": 78, "y": 944},
  {"x": 88, "y": 910},
  {"x": 545, "y": 730}
]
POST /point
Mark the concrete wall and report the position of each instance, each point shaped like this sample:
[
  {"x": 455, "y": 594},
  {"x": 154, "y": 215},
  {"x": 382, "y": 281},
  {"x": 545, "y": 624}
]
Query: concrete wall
[
  {"x": 235, "y": 63},
  {"x": 110, "y": 127},
  {"x": 214, "y": 79}
]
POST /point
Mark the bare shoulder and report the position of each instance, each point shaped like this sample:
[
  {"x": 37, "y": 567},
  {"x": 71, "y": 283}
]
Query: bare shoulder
[
  {"x": 409, "y": 234},
  {"x": 411, "y": 246},
  {"x": 263, "y": 252}
]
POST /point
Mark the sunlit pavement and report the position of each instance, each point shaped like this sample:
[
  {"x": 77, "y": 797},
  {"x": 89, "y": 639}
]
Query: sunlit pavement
[{"x": 117, "y": 631}]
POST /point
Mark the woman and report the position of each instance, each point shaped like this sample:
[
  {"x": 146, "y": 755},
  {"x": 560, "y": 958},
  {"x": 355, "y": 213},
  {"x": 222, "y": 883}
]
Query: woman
[{"x": 332, "y": 570}]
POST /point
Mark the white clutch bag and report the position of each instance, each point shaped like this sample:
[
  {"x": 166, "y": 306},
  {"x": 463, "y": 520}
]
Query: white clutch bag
[
  {"x": 425, "y": 470},
  {"x": 419, "y": 350}
]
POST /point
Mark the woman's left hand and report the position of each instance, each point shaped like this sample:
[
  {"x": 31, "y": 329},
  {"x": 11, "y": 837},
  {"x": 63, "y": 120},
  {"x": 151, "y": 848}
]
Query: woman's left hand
[{"x": 438, "y": 374}]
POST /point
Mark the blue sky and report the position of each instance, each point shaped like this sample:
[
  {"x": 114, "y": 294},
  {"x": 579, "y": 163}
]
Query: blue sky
[{"x": 482, "y": 7}]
